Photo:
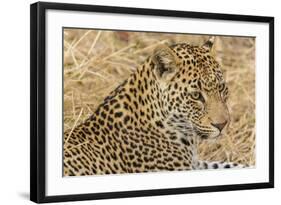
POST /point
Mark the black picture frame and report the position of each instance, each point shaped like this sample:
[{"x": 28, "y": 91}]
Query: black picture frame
[{"x": 38, "y": 100}]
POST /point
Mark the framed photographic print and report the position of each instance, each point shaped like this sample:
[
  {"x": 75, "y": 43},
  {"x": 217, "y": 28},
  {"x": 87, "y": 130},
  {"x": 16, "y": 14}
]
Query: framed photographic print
[{"x": 129, "y": 102}]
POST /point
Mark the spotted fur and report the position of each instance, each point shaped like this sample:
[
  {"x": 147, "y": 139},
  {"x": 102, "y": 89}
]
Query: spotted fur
[{"x": 152, "y": 121}]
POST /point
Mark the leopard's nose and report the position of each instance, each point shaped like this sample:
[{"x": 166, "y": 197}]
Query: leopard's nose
[{"x": 220, "y": 126}]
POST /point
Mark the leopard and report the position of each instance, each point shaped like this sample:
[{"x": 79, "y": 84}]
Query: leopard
[{"x": 153, "y": 121}]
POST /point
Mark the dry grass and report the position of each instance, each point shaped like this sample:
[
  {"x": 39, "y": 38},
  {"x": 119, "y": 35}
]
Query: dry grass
[{"x": 96, "y": 62}]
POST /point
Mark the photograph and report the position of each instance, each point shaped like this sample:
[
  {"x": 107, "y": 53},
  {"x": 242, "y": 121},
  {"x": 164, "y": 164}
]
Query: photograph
[
  {"x": 139, "y": 101},
  {"x": 135, "y": 102}
]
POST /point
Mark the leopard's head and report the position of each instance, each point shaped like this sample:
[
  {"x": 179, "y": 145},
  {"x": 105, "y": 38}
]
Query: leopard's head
[{"x": 193, "y": 87}]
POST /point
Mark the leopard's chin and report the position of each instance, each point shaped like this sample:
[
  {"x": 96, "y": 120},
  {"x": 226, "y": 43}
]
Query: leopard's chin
[
  {"x": 204, "y": 137},
  {"x": 209, "y": 136}
]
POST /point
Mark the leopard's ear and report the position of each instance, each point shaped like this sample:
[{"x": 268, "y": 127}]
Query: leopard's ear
[
  {"x": 208, "y": 45},
  {"x": 165, "y": 62}
]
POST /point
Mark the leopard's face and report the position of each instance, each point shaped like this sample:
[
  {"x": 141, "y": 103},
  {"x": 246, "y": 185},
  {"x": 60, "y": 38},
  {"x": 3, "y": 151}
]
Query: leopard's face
[{"x": 195, "y": 92}]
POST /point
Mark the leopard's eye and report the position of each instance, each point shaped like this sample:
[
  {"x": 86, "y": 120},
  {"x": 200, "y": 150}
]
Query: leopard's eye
[
  {"x": 197, "y": 96},
  {"x": 221, "y": 87}
]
